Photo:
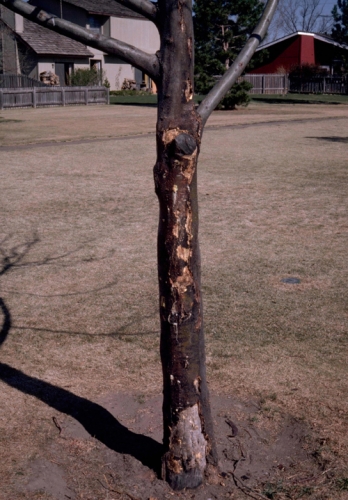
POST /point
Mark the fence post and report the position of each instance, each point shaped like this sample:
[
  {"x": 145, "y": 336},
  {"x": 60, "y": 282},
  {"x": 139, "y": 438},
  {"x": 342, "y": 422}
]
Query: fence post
[
  {"x": 86, "y": 96},
  {"x": 34, "y": 97},
  {"x": 63, "y": 96},
  {"x": 324, "y": 85},
  {"x": 263, "y": 84},
  {"x": 107, "y": 95},
  {"x": 1, "y": 99}
]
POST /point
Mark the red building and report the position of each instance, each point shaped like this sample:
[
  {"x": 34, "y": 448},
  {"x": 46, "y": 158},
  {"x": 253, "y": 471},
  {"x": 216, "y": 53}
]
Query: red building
[{"x": 300, "y": 48}]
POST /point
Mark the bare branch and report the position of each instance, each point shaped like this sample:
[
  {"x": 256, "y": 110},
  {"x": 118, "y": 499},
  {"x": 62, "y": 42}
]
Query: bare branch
[
  {"x": 301, "y": 15},
  {"x": 210, "y": 102},
  {"x": 136, "y": 57},
  {"x": 143, "y": 7}
]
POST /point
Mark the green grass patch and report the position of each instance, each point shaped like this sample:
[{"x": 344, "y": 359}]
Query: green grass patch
[
  {"x": 127, "y": 97},
  {"x": 301, "y": 98},
  {"x": 135, "y": 100},
  {"x": 146, "y": 99}
]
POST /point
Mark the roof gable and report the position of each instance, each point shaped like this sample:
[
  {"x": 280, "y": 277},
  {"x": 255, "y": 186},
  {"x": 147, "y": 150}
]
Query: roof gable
[{"x": 45, "y": 41}]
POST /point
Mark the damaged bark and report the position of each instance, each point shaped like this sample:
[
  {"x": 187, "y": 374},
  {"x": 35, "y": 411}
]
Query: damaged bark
[{"x": 188, "y": 433}]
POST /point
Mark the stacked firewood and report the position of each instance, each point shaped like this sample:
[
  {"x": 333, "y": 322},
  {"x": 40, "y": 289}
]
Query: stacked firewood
[
  {"x": 49, "y": 78},
  {"x": 129, "y": 84}
]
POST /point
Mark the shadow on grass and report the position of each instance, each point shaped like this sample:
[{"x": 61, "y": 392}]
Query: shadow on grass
[
  {"x": 97, "y": 421},
  {"x": 117, "y": 334},
  {"x": 8, "y": 260},
  {"x": 6, "y": 326},
  {"x": 330, "y": 138},
  {"x": 5, "y": 120}
]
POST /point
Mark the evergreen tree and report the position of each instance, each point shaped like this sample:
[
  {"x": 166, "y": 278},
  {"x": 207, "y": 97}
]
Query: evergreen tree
[
  {"x": 221, "y": 30},
  {"x": 340, "y": 15}
]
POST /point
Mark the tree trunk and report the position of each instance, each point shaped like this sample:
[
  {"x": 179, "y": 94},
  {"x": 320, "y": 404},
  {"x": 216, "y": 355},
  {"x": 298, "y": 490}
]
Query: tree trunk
[{"x": 188, "y": 434}]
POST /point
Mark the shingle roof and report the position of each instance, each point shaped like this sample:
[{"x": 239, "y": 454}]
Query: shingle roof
[
  {"x": 105, "y": 7},
  {"x": 45, "y": 41}
]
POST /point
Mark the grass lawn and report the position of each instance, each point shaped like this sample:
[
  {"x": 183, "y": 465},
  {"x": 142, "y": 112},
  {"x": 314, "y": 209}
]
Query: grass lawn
[
  {"x": 301, "y": 98},
  {"x": 139, "y": 100},
  {"x": 79, "y": 326},
  {"x": 269, "y": 99},
  {"x": 144, "y": 100}
]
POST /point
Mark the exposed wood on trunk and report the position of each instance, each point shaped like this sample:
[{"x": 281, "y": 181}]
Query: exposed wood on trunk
[
  {"x": 182, "y": 341},
  {"x": 188, "y": 433}
]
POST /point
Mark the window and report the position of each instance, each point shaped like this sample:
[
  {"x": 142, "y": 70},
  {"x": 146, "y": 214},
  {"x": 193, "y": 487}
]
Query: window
[
  {"x": 95, "y": 64},
  {"x": 95, "y": 24}
]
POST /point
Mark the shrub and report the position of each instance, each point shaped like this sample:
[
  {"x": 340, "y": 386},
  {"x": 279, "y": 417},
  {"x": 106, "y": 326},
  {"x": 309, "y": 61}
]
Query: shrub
[
  {"x": 237, "y": 96},
  {"x": 87, "y": 77},
  {"x": 307, "y": 71}
]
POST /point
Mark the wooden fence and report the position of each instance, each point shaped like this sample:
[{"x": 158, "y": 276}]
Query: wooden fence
[
  {"x": 52, "y": 96},
  {"x": 282, "y": 84},
  {"x": 268, "y": 84},
  {"x": 19, "y": 81},
  {"x": 319, "y": 85}
]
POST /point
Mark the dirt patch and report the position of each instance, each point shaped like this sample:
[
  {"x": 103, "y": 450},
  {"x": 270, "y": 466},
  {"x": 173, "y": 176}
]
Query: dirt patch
[
  {"x": 253, "y": 459},
  {"x": 49, "y": 477}
]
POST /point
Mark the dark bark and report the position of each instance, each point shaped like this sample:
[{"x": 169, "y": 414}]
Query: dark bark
[{"x": 188, "y": 433}]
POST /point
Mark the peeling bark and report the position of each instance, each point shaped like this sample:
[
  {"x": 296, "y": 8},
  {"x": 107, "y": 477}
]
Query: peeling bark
[
  {"x": 188, "y": 432},
  {"x": 186, "y": 459}
]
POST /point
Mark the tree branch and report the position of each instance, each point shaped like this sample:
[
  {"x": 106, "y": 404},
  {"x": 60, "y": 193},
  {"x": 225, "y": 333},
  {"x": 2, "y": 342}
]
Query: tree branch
[
  {"x": 221, "y": 88},
  {"x": 143, "y": 7},
  {"x": 134, "y": 56}
]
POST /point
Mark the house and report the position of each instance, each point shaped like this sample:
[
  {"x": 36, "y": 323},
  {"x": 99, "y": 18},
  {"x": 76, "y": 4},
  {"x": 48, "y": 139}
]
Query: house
[
  {"x": 32, "y": 50},
  {"x": 301, "y": 48}
]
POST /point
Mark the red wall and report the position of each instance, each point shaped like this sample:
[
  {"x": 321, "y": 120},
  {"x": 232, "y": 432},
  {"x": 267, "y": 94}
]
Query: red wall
[
  {"x": 296, "y": 50},
  {"x": 307, "y": 50}
]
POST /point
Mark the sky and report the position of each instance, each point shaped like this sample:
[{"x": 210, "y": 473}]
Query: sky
[
  {"x": 275, "y": 31},
  {"x": 328, "y": 5}
]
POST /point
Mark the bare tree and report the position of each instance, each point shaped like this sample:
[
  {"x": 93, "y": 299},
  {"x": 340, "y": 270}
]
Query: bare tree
[
  {"x": 300, "y": 15},
  {"x": 188, "y": 431}
]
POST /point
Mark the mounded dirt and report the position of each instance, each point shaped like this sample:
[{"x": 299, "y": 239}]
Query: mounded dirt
[{"x": 121, "y": 435}]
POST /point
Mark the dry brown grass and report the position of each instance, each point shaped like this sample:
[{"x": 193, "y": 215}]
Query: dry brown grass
[{"x": 78, "y": 223}]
